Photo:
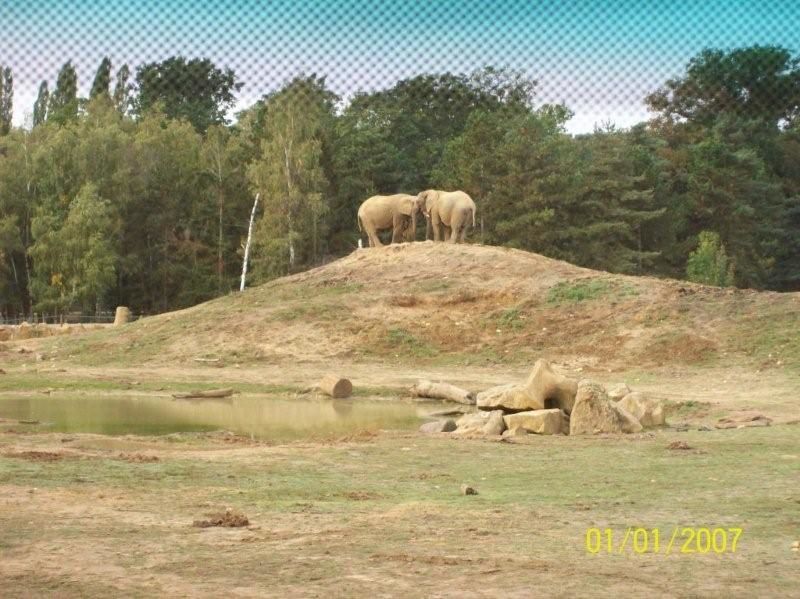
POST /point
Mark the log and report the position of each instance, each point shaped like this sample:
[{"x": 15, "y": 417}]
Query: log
[
  {"x": 446, "y": 391},
  {"x": 122, "y": 316},
  {"x": 209, "y": 394},
  {"x": 335, "y": 386}
]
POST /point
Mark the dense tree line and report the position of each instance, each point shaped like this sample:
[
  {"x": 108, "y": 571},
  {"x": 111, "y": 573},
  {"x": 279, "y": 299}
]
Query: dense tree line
[{"x": 140, "y": 194}]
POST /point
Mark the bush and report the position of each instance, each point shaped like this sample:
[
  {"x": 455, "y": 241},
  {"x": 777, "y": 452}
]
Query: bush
[{"x": 709, "y": 264}]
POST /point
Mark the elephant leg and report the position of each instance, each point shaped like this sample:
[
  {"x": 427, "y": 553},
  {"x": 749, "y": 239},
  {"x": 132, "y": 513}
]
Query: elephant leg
[
  {"x": 398, "y": 228},
  {"x": 437, "y": 233},
  {"x": 374, "y": 240},
  {"x": 448, "y": 233}
]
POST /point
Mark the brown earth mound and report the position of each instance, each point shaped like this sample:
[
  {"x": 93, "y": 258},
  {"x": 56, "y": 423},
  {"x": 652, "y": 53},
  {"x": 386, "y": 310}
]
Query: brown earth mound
[{"x": 466, "y": 304}]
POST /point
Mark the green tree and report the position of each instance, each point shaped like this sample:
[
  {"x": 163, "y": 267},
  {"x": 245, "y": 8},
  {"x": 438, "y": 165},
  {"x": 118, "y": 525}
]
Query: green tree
[
  {"x": 122, "y": 90},
  {"x": 102, "y": 79},
  {"x": 63, "y": 106},
  {"x": 756, "y": 83},
  {"x": 194, "y": 90},
  {"x": 75, "y": 260},
  {"x": 290, "y": 177},
  {"x": 41, "y": 104},
  {"x": 6, "y": 100},
  {"x": 709, "y": 264}
]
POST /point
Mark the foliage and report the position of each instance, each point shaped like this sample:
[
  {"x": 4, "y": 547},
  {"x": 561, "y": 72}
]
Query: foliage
[
  {"x": 194, "y": 90},
  {"x": 6, "y": 99},
  {"x": 171, "y": 183},
  {"x": 63, "y": 104},
  {"x": 709, "y": 264},
  {"x": 289, "y": 176},
  {"x": 77, "y": 260},
  {"x": 102, "y": 79}
]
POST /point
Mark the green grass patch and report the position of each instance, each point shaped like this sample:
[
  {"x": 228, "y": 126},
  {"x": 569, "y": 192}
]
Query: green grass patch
[
  {"x": 402, "y": 340},
  {"x": 573, "y": 292}
]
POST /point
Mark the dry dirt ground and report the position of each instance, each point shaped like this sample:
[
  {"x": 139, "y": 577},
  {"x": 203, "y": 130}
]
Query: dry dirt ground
[{"x": 380, "y": 513}]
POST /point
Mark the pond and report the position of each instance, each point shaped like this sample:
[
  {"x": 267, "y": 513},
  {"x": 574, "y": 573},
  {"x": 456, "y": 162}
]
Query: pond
[{"x": 266, "y": 418}]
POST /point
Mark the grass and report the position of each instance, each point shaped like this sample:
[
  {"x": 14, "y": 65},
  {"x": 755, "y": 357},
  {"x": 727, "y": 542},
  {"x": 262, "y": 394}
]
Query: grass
[
  {"x": 345, "y": 519},
  {"x": 403, "y": 341},
  {"x": 582, "y": 290},
  {"x": 511, "y": 319}
]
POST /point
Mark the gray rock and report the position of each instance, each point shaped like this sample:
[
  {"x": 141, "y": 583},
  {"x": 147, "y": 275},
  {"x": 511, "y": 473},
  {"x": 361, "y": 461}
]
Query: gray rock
[{"x": 439, "y": 426}]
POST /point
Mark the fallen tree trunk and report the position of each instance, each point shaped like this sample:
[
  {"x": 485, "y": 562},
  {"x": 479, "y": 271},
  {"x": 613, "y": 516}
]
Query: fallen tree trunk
[
  {"x": 446, "y": 391},
  {"x": 335, "y": 386},
  {"x": 209, "y": 394}
]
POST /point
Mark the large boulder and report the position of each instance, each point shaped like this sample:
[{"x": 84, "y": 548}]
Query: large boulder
[
  {"x": 619, "y": 391},
  {"x": 649, "y": 412},
  {"x": 544, "y": 389},
  {"x": 541, "y": 422},
  {"x": 481, "y": 423},
  {"x": 595, "y": 413}
]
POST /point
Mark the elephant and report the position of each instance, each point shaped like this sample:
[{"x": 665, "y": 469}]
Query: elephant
[
  {"x": 389, "y": 212},
  {"x": 448, "y": 213}
]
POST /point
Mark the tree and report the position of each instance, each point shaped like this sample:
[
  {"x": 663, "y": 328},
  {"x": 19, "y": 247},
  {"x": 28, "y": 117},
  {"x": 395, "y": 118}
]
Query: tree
[
  {"x": 756, "y": 83},
  {"x": 194, "y": 90},
  {"x": 63, "y": 106},
  {"x": 6, "y": 100},
  {"x": 102, "y": 79},
  {"x": 290, "y": 177},
  {"x": 75, "y": 261},
  {"x": 709, "y": 264},
  {"x": 40, "y": 107},
  {"x": 122, "y": 90}
]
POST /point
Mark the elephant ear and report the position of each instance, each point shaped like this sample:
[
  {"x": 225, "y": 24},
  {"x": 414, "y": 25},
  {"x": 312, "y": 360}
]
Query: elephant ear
[
  {"x": 407, "y": 206},
  {"x": 430, "y": 196}
]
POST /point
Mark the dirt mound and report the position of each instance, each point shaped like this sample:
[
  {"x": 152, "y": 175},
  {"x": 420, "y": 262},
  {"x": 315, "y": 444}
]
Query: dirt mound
[
  {"x": 464, "y": 304},
  {"x": 227, "y": 519}
]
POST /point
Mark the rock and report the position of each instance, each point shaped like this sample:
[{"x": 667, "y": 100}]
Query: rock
[
  {"x": 514, "y": 432},
  {"x": 743, "y": 420},
  {"x": 438, "y": 426},
  {"x": 648, "y": 411},
  {"x": 595, "y": 413},
  {"x": 467, "y": 490},
  {"x": 41, "y": 357},
  {"x": 619, "y": 391},
  {"x": 541, "y": 422},
  {"x": 704, "y": 428},
  {"x": 481, "y": 423},
  {"x": 544, "y": 389}
]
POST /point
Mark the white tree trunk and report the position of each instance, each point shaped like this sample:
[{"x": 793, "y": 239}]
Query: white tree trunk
[{"x": 247, "y": 245}]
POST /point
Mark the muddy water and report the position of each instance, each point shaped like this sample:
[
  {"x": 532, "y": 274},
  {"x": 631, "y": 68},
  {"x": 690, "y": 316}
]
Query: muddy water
[{"x": 258, "y": 417}]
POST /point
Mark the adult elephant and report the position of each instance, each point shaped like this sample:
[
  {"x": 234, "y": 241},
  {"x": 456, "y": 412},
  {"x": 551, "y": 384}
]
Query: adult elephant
[
  {"x": 389, "y": 212},
  {"x": 449, "y": 213}
]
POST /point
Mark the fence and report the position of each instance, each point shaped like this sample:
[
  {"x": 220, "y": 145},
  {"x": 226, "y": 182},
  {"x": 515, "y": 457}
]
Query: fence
[{"x": 69, "y": 318}]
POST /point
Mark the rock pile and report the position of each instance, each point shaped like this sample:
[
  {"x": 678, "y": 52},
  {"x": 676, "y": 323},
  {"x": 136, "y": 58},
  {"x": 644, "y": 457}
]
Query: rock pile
[{"x": 549, "y": 403}]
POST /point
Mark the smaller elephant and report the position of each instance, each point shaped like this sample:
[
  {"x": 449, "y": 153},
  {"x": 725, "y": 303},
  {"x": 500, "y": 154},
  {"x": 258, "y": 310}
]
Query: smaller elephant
[
  {"x": 448, "y": 213},
  {"x": 389, "y": 212}
]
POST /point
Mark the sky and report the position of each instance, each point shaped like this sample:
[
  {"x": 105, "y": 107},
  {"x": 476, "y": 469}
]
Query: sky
[{"x": 599, "y": 57}]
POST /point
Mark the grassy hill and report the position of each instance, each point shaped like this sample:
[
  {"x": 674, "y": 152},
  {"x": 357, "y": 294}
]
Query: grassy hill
[{"x": 465, "y": 304}]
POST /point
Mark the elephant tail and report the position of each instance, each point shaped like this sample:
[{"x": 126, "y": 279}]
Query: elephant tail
[{"x": 474, "y": 210}]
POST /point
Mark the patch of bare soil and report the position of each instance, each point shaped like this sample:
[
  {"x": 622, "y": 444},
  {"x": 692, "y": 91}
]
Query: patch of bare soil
[
  {"x": 682, "y": 445},
  {"x": 138, "y": 458},
  {"x": 227, "y": 519},
  {"x": 37, "y": 456}
]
